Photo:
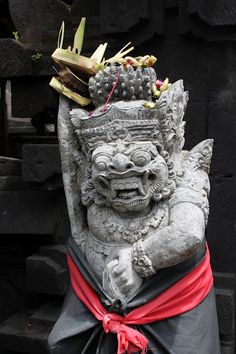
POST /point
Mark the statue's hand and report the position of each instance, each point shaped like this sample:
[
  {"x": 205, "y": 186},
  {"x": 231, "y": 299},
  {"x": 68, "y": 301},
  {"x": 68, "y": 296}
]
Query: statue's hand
[{"x": 122, "y": 274}]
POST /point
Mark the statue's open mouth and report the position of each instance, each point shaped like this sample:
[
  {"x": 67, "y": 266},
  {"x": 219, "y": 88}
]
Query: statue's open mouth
[{"x": 125, "y": 189}]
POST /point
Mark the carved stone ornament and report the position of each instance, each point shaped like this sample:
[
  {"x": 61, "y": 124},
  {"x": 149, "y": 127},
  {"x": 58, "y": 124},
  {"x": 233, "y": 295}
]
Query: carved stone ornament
[
  {"x": 138, "y": 208},
  {"x": 137, "y": 202}
]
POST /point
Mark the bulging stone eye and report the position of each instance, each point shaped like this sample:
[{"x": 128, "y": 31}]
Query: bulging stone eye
[
  {"x": 102, "y": 162},
  {"x": 141, "y": 158}
]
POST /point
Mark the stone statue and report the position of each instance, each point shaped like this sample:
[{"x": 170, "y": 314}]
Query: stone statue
[{"x": 138, "y": 207}]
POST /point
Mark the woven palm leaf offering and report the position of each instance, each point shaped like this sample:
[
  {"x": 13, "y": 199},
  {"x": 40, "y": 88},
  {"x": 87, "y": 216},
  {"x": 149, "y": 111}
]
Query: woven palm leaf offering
[{"x": 97, "y": 80}]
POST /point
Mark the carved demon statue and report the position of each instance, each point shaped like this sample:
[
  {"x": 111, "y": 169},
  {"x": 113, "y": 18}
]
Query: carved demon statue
[{"x": 138, "y": 207}]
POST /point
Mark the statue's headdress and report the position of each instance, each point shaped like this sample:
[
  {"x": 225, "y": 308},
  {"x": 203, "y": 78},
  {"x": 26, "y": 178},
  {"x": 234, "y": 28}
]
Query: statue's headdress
[
  {"x": 134, "y": 121},
  {"x": 130, "y": 103}
]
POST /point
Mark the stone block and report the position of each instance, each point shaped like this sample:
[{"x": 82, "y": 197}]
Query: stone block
[
  {"x": 12, "y": 183},
  {"x": 43, "y": 66},
  {"x": 212, "y": 29},
  {"x": 224, "y": 280},
  {"x": 44, "y": 275},
  {"x": 223, "y": 189},
  {"x": 62, "y": 230},
  {"x": 55, "y": 252},
  {"x": 223, "y": 197},
  {"x": 225, "y": 301},
  {"x": 20, "y": 334},
  {"x": 84, "y": 8},
  {"x": 15, "y": 59},
  {"x": 196, "y": 129},
  {"x": 227, "y": 348},
  {"x": 176, "y": 64},
  {"x": 222, "y": 129},
  {"x": 120, "y": 16},
  {"x": 220, "y": 235},
  {"x": 10, "y": 299},
  {"x": 10, "y": 166},
  {"x": 27, "y": 212},
  {"x": 222, "y": 82},
  {"x": 215, "y": 13},
  {"x": 32, "y": 96},
  {"x": 39, "y": 21},
  {"x": 225, "y": 311},
  {"x": 40, "y": 162},
  {"x": 47, "y": 314},
  {"x": 53, "y": 183}
]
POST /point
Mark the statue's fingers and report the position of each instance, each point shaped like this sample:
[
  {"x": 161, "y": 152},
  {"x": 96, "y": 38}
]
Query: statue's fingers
[
  {"x": 112, "y": 264},
  {"x": 118, "y": 270}
]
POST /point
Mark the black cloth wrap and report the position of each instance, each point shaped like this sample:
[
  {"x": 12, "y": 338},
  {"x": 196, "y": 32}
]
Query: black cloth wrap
[{"x": 77, "y": 331}]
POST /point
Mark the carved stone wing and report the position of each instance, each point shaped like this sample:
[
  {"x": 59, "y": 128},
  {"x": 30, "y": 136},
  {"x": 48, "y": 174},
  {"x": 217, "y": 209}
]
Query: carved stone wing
[
  {"x": 192, "y": 180},
  {"x": 199, "y": 157},
  {"x": 71, "y": 170}
]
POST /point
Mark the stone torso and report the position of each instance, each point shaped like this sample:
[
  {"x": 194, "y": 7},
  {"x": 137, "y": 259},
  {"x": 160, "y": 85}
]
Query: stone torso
[{"x": 108, "y": 232}]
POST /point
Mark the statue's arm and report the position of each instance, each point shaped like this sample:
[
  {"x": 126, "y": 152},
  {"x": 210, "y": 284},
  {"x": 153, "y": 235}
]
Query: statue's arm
[
  {"x": 179, "y": 240},
  {"x": 188, "y": 213}
]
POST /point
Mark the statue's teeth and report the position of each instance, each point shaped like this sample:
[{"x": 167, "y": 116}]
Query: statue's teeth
[{"x": 127, "y": 194}]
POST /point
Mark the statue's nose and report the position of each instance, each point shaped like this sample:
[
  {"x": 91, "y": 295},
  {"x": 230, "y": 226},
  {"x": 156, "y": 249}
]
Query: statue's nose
[{"x": 121, "y": 163}]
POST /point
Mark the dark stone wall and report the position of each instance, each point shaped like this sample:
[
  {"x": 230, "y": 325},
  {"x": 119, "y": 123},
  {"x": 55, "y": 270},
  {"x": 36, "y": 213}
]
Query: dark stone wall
[{"x": 193, "y": 40}]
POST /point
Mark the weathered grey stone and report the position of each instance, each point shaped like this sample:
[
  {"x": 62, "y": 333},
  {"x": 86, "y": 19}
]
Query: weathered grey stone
[
  {"x": 215, "y": 13},
  {"x": 47, "y": 314},
  {"x": 224, "y": 280},
  {"x": 222, "y": 83},
  {"x": 225, "y": 302},
  {"x": 220, "y": 236},
  {"x": 10, "y": 299},
  {"x": 138, "y": 179},
  {"x": 42, "y": 66},
  {"x": 215, "y": 27},
  {"x": 27, "y": 212},
  {"x": 56, "y": 252},
  {"x": 84, "y": 8},
  {"x": 227, "y": 349},
  {"x": 121, "y": 16},
  {"x": 44, "y": 275},
  {"x": 12, "y": 183},
  {"x": 15, "y": 59},
  {"x": 137, "y": 202},
  {"x": 62, "y": 230},
  {"x": 10, "y": 166},
  {"x": 32, "y": 89},
  {"x": 38, "y": 22},
  {"x": 196, "y": 129},
  {"x": 19, "y": 333},
  {"x": 223, "y": 129},
  {"x": 40, "y": 162},
  {"x": 223, "y": 191},
  {"x": 225, "y": 310}
]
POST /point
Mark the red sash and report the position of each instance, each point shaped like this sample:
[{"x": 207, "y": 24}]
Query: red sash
[{"x": 183, "y": 296}]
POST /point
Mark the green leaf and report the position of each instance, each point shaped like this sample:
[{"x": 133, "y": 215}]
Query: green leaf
[
  {"x": 61, "y": 35},
  {"x": 99, "y": 53},
  {"x": 79, "y": 36}
]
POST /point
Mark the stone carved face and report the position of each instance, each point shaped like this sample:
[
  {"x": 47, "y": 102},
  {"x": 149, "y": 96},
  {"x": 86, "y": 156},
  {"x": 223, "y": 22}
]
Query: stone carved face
[{"x": 128, "y": 174}]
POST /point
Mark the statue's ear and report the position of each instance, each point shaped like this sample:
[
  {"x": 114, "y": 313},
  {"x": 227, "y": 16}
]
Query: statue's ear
[
  {"x": 199, "y": 157},
  {"x": 172, "y": 105},
  {"x": 69, "y": 148}
]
